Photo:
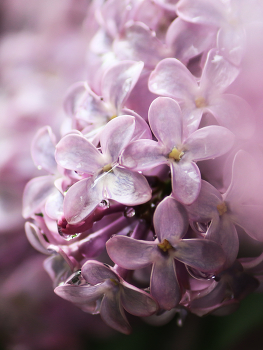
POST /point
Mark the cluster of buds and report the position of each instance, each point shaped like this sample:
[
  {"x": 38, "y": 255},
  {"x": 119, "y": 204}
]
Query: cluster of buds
[{"x": 156, "y": 180}]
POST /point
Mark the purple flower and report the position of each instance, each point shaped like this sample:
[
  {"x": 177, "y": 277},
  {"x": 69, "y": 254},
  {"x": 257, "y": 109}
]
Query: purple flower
[
  {"x": 171, "y": 78},
  {"x": 171, "y": 223},
  {"x": 173, "y": 149},
  {"x": 108, "y": 294},
  {"x": 234, "y": 207},
  {"x": 107, "y": 180}
]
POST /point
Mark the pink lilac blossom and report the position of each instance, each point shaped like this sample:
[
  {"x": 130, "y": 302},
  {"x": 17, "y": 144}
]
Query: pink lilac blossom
[{"x": 162, "y": 186}]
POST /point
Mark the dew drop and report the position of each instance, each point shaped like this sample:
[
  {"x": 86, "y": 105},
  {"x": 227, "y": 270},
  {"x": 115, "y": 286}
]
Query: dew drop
[
  {"x": 39, "y": 167},
  {"x": 75, "y": 278},
  {"x": 129, "y": 212},
  {"x": 200, "y": 227},
  {"x": 104, "y": 203}
]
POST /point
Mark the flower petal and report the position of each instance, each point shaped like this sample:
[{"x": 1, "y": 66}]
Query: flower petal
[
  {"x": 43, "y": 149},
  {"x": 218, "y": 73},
  {"x": 187, "y": 40},
  {"x": 81, "y": 199},
  {"x": 170, "y": 220},
  {"x": 232, "y": 40},
  {"x": 201, "y": 254},
  {"x": 223, "y": 231},
  {"x": 164, "y": 285},
  {"x": 208, "y": 142},
  {"x": 202, "y": 11},
  {"x": 126, "y": 187},
  {"x": 36, "y": 193},
  {"x": 74, "y": 152},
  {"x": 171, "y": 78},
  {"x": 130, "y": 253},
  {"x": 136, "y": 301},
  {"x": 186, "y": 181},
  {"x": 234, "y": 113},
  {"x": 119, "y": 80},
  {"x": 83, "y": 296},
  {"x": 36, "y": 239},
  {"x": 204, "y": 207},
  {"x": 143, "y": 155},
  {"x": 95, "y": 272},
  {"x": 165, "y": 119},
  {"x": 116, "y": 135},
  {"x": 131, "y": 44},
  {"x": 112, "y": 313}
]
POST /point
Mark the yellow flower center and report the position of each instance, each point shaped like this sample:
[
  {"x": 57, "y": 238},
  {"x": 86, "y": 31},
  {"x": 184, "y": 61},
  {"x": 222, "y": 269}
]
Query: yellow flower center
[
  {"x": 176, "y": 154},
  {"x": 107, "y": 168},
  {"x": 113, "y": 117},
  {"x": 165, "y": 245},
  {"x": 221, "y": 208},
  {"x": 200, "y": 102}
]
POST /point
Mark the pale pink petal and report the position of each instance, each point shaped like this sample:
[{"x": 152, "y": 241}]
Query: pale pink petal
[
  {"x": 112, "y": 313},
  {"x": 142, "y": 130},
  {"x": 74, "y": 152},
  {"x": 130, "y": 253},
  {"x": 186, "y": 181},
  {"x": 118, "y": 82},
  {"x": 143, "y": 154},
  {"x": 81, "y": 199},
  {"x": 54, "y": 205},
  {"x": 188, "y": 40},
  {"x": 201, "y": 254},
  {"x": 95, "y": 272},
  {"x": 113, "y": 15},
  {"x": 223, "y": 231},
  {"x": 171, "y": 78},
  {"x": 165, "y": 118},
  {"x": 208, "y": 142},
  {"x": 35, "y": 238},
  {"x": 170, "y": 220},
  {"x": 83, "y": 296},
  {"x": 116, "y": 135},
  {"x": 250, "y": 218},
  {"x": 202, "y": 11},
  {"x": 136, "y": 301},
  {"x": 36, "y": 193},
  {"x": 126, "y": 187},
  {"x": 43, "y": 150},
  {"x": 88, "y": 108},
  {"x": 234, "y": 113},
  {"x": 131, "y": 44},
  {"x": 204, "y": 207},
  {"x": 231, "y": 40},
  {"x": 164, "y": 285},
  {"x": 167, "y": 4},
  {"x": 218, "y": 73},
  {"x": 191, "y": 119}
]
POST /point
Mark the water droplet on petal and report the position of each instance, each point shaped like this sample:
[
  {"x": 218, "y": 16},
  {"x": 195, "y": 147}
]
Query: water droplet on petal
[
  {"x": 200, "y": 227},
  {"x": 104, "y": 203},
  {"x": 39, "y": 167},
  {"x": 75, "y": 278},
  {"x": 129, "y": 212}
]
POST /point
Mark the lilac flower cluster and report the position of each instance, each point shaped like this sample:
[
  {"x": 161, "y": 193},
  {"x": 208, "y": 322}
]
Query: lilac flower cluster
[{"x": 156, "y": 179}]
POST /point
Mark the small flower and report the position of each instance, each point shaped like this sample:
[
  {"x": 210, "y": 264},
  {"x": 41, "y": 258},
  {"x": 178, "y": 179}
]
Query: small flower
[
  {"x": 171, "y": 223},
  {"x": 173, "y": 149},
  {"x": 108, "y": 294}
]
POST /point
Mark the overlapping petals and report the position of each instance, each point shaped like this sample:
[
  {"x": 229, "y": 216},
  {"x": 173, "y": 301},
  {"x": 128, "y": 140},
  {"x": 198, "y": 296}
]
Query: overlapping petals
[
  {"x": 200, "y": 254},
  {"x": 109, "y": 181},
  {"x": 171, "y": 78},
  {"x": 173, "y": 149},
  {"x": 108, "y": 294}
]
